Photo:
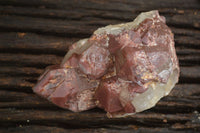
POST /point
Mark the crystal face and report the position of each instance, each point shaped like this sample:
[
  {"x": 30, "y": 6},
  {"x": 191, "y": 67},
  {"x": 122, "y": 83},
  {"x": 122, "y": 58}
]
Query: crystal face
[{"x": 124, "y": 69}]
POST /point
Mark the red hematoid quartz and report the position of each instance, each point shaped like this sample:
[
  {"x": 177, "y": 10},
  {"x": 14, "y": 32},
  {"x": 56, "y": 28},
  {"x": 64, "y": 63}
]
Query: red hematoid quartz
[{"x": 124, "y": 69}]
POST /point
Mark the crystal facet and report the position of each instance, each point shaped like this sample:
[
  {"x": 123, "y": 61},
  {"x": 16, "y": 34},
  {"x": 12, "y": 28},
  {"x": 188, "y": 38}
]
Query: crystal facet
[{"x": 124, "y": 69}]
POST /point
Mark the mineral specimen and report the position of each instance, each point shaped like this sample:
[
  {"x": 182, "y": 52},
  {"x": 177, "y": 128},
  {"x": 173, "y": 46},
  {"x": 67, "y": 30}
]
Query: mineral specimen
[{"x": 124, "y": 69}]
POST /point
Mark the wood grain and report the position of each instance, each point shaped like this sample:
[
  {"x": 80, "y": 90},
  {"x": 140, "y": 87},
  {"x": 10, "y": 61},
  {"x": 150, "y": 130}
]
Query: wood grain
[
  {"x": 119, "y": 129},
  {"x": 37, "y": 33}
]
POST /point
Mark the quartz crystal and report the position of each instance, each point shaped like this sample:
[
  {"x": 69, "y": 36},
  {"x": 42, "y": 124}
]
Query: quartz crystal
[{"x": 123, "y": 69}]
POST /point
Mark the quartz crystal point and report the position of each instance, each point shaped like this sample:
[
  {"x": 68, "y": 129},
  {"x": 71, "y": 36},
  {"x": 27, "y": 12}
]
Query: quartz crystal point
[{"x": 124, "y": 69}]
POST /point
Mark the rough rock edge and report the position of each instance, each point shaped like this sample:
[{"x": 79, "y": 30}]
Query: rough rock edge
[
  {"x": 155, "y": 87},
  {"x": 154, "y": 93},
  {"x": 110, "y": 29},
  {"x": 116, "y": 29}
]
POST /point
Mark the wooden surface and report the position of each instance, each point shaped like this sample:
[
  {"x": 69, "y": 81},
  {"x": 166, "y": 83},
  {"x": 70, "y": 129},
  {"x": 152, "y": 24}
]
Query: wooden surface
[{"x": 37, "y": 33}]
